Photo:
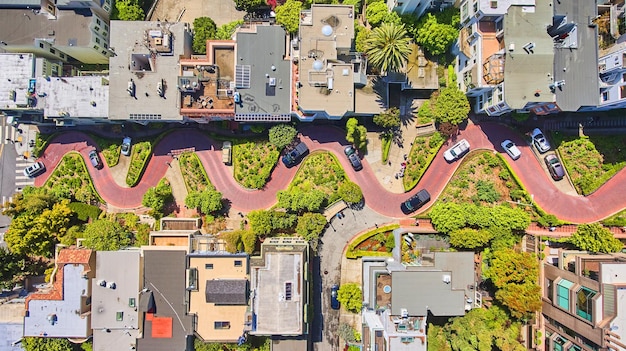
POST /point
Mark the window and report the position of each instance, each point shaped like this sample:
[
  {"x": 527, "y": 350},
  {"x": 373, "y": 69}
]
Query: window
[
  {"x": 605, "y": 95},
  {"x": 119, "y": 316},
  {"x": 41, "y": 45},
  {"x": 103, "y": 52},
  {"x": 407, "y": 339},
  {"x": 550, "y": 290},
  {"x": 98, "y": 21},
  {"x": 562, "y": 293},
  {"x": 106, "y": 28},
  {"x": 623, "y": 77},
  {"x": 622, "y": 92},
  {"x": 584, "y": 303},
  {"x": 105, "y": 34},
  {"x": 96, "y": 47},
  {"x": 575, "y": 348},
  {"x": 238, "y": 263},
  {"x": 98, "y": 40},
  {"x": 96, "y": 28},
  {"x": 192, "y": 279},
  {"x": 208, "y": 266},
  {"x": 52, "y": 51},
  {"x": 221, "y": 325},
  {"x": 62, "y": 55},
  {"x": 131, "y": 302},
  {"x": 106, "y": 46}
]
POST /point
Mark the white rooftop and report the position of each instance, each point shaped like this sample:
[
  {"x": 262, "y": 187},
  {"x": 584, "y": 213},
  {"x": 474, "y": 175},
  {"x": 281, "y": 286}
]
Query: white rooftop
[
  {"x": 16, "y": 71},
  {"x": 86, "y": 96}
]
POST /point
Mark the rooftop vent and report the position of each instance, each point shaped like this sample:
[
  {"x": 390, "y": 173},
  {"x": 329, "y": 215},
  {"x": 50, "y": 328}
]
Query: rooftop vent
[
  {"x": 102, "y": 282},
  {"x": 446, "y": 278},
  {"x": 111, "y": 285}
]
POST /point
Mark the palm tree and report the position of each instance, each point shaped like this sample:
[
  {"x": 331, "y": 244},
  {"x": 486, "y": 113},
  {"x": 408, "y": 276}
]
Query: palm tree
[{"x": 387, "y": 47}]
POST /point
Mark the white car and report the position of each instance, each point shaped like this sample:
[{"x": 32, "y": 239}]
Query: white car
[
  {"x": 539, "y": 140},
  {"x": 511, "y": 149},
  {"x": 457, "y": 150},
  {"x": 126, "y": 144},
  {"x": 34, "y": 170}
]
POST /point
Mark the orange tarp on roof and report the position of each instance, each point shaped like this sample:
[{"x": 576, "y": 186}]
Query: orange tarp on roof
[{"x": 162, "y": 327}]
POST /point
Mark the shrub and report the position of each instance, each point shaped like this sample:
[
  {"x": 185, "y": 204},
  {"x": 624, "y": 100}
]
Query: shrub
[
  {"x": 486, "y": 191},
  {"x": 390, "y": 242},
  {"x": 85, "y": 211},
  {"x": 282, "y": 135},
  {"x": 350, "y": 192},
  {"x": 548, "y": 220},
  {"x": 350, "y": 297}
]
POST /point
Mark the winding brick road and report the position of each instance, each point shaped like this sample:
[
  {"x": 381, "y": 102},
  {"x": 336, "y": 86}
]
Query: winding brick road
[{"x": 607, "y": 200}]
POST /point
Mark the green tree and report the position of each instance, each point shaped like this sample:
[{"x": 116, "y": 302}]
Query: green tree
[
  {"x": 11, "y": 265},
  {"x": 288, "y": 15},
  {"x": 311, "y": 225},
  {"x": 158, "y": 196},
  {"x": 356, "y": 3},
  {"x": 282, "y": 135},
  {"x": 425, "y": 112},
  {"x": 129, "y": 10},
  {"x": 362, "y": 33},
  {"x": 207, "y": 200},
  {"x": 356, "y": 134},
  {"x": 106, "y": 235},
  {"x": 447, "y": 217},
  {"x": 595, "y": 238},
  {"x": 260, "y": 222},
  {"x": 48, "y": 344},
  {"x": 248, "y": 239},
  {"x": 387, "y": 47},
  {"x": 389, "y": 119},
  {"x": 297, "y": 200},
  {"x": 435, "y": 37},
  {"x": 469, "y": 238},
  {"x": 248, "y": 5},
  {"x": 350, "y": 192},
  {"x": 390, "y": 242},
  {"x": 376, "y": 13},
  {"x": 233, "y": 241},
  {"x": 203, "y": 29},
  {"x": 351, "y": 297},
  {"x": 226, "y": 31},
  {"x": 522, "y": 300},
  {"x": 451, "y": 106}
]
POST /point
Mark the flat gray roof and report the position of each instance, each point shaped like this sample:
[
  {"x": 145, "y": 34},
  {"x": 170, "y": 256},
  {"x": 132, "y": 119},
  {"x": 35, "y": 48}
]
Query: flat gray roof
[
  {"x": 17, "y": 70},
  {"x": 265, "y": 52},
  {"x": 68, "y": 320},
  {"x": 129, "y": 42},
  {"x": 20, "y": 26},
  {"x": 75, "y": 97},
  {"x": 123, "y": 269},
  {"x": 276, "y": 313},
  {"x": 423, "y": 289},
  {"x": 578, "y": 67},
  {"x": 528, "y": 74},
  {"x": 11, "y": 332}
]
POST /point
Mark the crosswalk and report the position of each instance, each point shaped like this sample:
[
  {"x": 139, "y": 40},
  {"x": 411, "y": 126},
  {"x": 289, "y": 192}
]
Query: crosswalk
[
  {"x": 20, "y": 179},
  {"x": 8, "y": 134}
]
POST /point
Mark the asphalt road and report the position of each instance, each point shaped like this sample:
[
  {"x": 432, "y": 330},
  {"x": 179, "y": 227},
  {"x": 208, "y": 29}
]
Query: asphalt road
[{"x": 7, "y": 179}]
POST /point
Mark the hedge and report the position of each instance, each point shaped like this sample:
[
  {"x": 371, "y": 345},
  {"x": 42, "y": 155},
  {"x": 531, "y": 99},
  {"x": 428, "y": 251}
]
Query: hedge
[
  {"x": 351, "y": 253},
  {"x": 84, "y": 211}
]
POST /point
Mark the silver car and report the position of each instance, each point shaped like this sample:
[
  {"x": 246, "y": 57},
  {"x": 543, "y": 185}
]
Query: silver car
[
  {"x": 511, "y": 149},
  {"x": 457, "y": 150},
  {"x": 539, "y": 140}
]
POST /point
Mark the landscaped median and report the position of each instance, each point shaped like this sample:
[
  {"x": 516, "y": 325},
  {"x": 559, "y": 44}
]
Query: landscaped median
[
  {"x": 71, "y": 179},
  {"x": 377, "y": 242},
  {"x": 139, "y": 158},
  {"x": 422, "y": 153}
]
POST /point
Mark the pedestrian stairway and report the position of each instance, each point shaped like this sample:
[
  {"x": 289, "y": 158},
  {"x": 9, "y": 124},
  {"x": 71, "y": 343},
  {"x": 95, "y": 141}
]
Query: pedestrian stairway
[{"x": 596, "y": 123}]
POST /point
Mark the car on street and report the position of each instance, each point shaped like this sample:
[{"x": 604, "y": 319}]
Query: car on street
[
  {"x": 95, "y": 159},
  {"x": 511, "y": 149},
  {"x": 126, "y": 146},
  {"x": 293, "y": 156},
  {"x": 554, "y": 167},
  {"x": 34, "y": 170},
  {"x": 415, "y": 202},
  {"x": 457, "y": 150},
  {"x": 353, "y": 157},
  {"x": 227, "y": 147},
  {"x": 539, "y": 140},
  {"x": 334, "y": 302}
]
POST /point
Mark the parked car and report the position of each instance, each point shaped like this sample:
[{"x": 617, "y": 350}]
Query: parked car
[
  {"x": 95, "y": 159},
  {"x": 457, "y": 150},
  {"x": 34, "y": 170},
  {"x": 353, "y": 157},
  {"x": 334, "y": 303},
  {"x": 539, "y": 140},
  {"x": 554, "y": 167},
  {"x": 227, "y": 148},
  {"x": 511, "y": 149},
  {"x": 294, "y": 155},
  {"x": 415, "y": 202},
  {"x": 126, "y": 146}
]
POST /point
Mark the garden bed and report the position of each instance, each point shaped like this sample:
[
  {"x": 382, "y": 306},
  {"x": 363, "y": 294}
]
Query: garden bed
[
  {"x": 70, "y": 179},
  {"x": 591, "y": 161},
  {"x": 422, "y": 153},
  {"x": 372, "y": 243},
  {"x": 194, "y": 174},
  {"x": 253, "y": 162},
  {"x": 139, "y": 158},
  {"x": 110, "y": 149},
  {"x": 320, "y": 171}
]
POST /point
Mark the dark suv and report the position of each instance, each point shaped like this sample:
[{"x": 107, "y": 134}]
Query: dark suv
[
  {"x": 353, "y": 157},
  {"x": 294, "y": 155},
  {"x": 415, "y": 202}
]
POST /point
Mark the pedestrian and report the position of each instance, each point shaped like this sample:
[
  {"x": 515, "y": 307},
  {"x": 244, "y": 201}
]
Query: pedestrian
[
  {"x": 406, "y": 156},
  {"x": 389, "y": 162},
  {"x": 376, "y": 225},
  {"x": 168, "y": 164}
]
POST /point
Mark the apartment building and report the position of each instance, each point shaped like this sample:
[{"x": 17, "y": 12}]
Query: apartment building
[
  {"x": 584, "y": 302},
  {"x": 418, "y": 7}
]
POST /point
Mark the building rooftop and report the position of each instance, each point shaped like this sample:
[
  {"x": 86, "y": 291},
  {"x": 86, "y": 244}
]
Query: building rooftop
[
  {"x": 577, "y": 67},
  {"x": 16, "y": 72},
  {"x": 528, "y": 67},
  {"x": 166, "y": 324},
  {"x": 263, "y": 53},
  {"x": 443, "y": 288},
  {"x": 147, "y": 57},
  {"x": 62, "y": 310},
  {"x": 86, "y": 96},
  {"x": 20, "y": 26},
  {"x": 326, "y": 83},
  {"x": 115, "y": 297}
]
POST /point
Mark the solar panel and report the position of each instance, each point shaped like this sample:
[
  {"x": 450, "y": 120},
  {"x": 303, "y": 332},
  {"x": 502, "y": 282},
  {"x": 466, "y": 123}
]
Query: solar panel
[{"x": 242, "y": 76}]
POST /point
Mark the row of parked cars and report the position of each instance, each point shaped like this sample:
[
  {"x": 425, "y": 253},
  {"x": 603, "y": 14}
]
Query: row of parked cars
[{"x": 541, "y": 143}]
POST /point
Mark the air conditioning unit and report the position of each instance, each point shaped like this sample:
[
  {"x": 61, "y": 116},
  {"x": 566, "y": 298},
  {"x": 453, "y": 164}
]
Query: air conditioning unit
[{"x": 272, "y": 82}]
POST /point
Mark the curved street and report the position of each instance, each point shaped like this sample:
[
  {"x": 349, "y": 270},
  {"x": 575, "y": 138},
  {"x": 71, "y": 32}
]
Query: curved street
[{"x": 607, "y": 200}]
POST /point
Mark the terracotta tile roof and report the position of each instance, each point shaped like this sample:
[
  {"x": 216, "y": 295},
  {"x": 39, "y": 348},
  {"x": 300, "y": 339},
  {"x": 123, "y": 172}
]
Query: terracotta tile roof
[{"x": 74, "y": 256}]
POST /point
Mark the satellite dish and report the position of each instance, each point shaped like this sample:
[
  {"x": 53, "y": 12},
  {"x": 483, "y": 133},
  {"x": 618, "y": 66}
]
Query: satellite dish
[
  {"x": 318, "y": 65},
  {"x": 327, "y": 30}
]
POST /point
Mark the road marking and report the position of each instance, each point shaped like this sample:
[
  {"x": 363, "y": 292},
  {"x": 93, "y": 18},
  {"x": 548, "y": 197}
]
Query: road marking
[{"x": 21, "y": 177}]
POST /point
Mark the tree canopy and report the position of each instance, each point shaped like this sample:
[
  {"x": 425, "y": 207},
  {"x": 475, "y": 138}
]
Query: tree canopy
[
  {"x": 288, "y": 15},
  {"x": 434, "y": 36},
  {"x": 248, "y": 5},
  {"x": 282, "y": 135},
  {"x": 128, "y": 10},
  {"x": 204, "y": 28},
  {"x": 448, "y": 217},
  {"x": 351, "y": 297},
  {"x": 264, "y": 223},
  {"x": 389, "y": 119},
  {"x": 360, "y": 41},
  {"x": 311, "y": 225},
  {"x": 451, "y": 106},
  {"x": 226, "y": 31},
  {"x": 387, "y": 47},
  {"x": 595, "y": 238},
  {"x": 48, "y": 344},
  {"x": 297, "y": 200},
  {"x": 356, "y": 134},
  {"x": 376, "y": 13},
  {"x": 350, "y": 192},
  {"x": 156, "y": 197},
  {"x": 106, "y": 235},
  {"x": 207, "y": 201},
  {"x": 469, "y": 238}
]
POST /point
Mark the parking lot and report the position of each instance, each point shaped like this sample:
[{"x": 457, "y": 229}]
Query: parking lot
[{"x": 220, "y": 11}]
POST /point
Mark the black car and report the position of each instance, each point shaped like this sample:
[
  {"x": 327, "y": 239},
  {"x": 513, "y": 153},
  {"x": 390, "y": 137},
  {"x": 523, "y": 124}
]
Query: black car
[
  {"x": 554, "y": 167},
  {"x": 294, "y": 155},
  {"x": 353, "y": 157},
  {"x": 415, "y": 202},
  {"x": 334, "y": 303}
]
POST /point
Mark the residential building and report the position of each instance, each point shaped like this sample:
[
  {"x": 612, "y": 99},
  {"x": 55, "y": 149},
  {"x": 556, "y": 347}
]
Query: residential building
[
  {"x": 115, "y": 319},
  {"x": 584, "y": 301},
  {"x": 528, "y": 55},
  {"x": 328, "y": 73},
  {"x": 612, "y": 67},
  {"x": 218, "y": 289},
  {"x": 166, "y": 326},
  {"x": 418, "y": 7},
  {"x": 399, "y": 297},
  {"x": 63, "y": 310},
  {"x": 280, "y": 289}
]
